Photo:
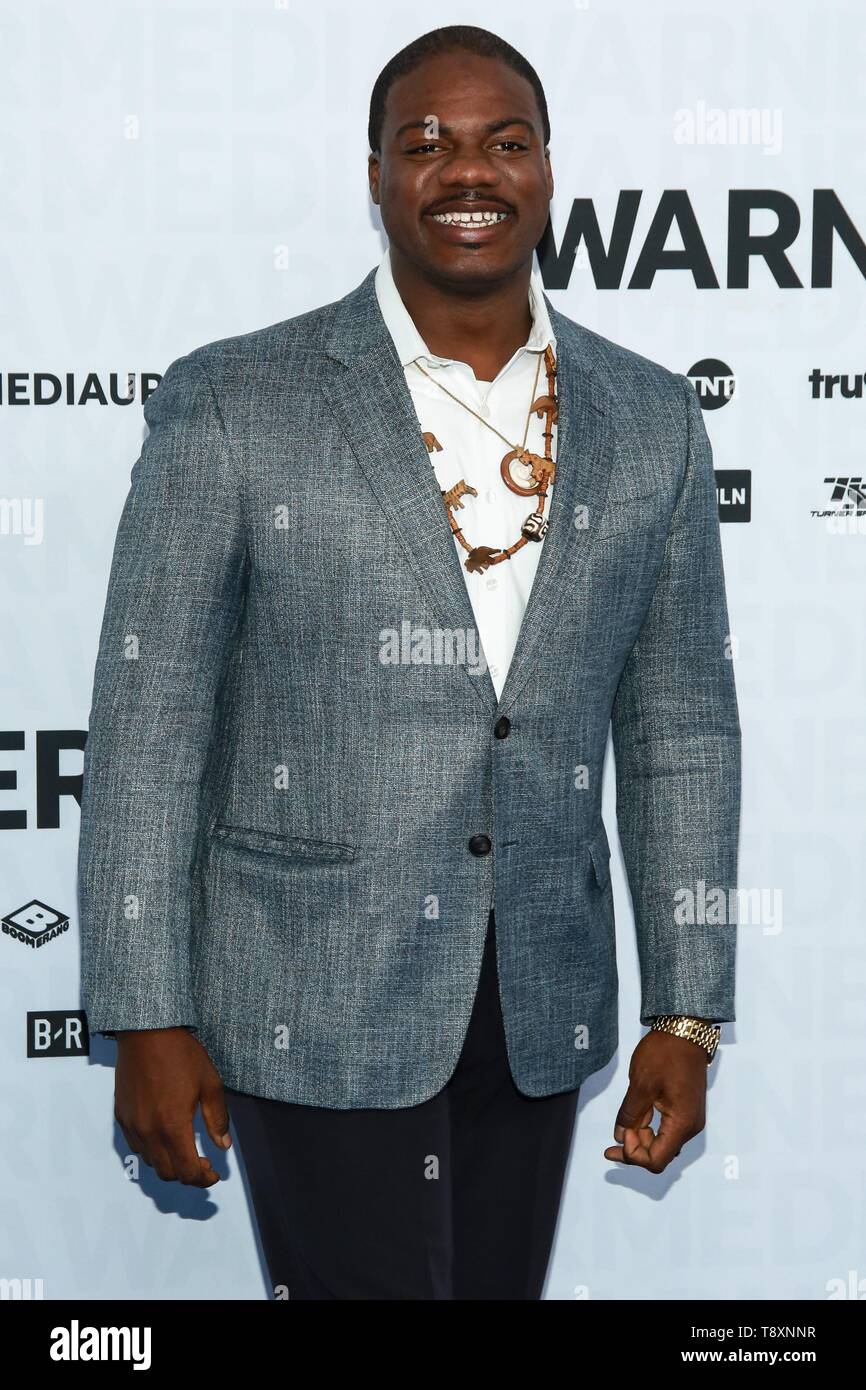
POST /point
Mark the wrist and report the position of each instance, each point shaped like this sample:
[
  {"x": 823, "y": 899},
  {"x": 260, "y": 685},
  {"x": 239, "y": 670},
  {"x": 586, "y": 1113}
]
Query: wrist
[{"x": 697, "y": 1030}]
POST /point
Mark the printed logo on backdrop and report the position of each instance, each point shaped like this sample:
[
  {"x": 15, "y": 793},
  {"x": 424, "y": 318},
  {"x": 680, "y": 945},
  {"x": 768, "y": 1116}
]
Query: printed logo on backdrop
[
  {"x": 77, "y": 388},
  {"x": 824, "y": 385},
  {"x": 58, "y": 1033},
  {"x": 35, "y": 924},
  {"x": 734, "y": 493},
  {"x": 811, "y": 239},
  {"x": 713, "y": 381},
  {"x": 52, "y": 784},
  {"x": 844, "y": 512}
]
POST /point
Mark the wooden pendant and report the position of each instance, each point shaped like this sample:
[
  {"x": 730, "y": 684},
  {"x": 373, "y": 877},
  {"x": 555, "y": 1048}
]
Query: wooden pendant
[
  {"x": 481, "y": 558},
  {"x": 541, "y": 472},
  {"x": 545, "y": 405},
  {"x": 521, "y": 457},
  {"x": 453, "y": 494}
]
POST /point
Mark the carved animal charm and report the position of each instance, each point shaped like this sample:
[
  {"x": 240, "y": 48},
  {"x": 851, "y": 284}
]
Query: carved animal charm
[
  {"x": 480, "y": 559},
  {"x": 545, "y": 405},
  {"x": 454, "y": 494}
]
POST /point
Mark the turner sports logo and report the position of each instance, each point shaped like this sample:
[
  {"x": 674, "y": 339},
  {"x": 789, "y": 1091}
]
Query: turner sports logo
[
  {"x": 847, "y": 498},
  {"x": 674, "y": 219},
  {"x": 77, "y": 1343}
]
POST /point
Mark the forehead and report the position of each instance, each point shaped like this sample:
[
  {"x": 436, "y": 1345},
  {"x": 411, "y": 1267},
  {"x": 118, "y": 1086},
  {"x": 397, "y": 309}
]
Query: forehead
[{"x": 462, "y": 90}]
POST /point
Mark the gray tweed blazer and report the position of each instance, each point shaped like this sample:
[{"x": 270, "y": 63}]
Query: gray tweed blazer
[{"x": 293, "y": 758}]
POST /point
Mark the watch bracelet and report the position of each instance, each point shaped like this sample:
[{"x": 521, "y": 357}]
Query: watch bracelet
[{"x": 707, "y": 1035}]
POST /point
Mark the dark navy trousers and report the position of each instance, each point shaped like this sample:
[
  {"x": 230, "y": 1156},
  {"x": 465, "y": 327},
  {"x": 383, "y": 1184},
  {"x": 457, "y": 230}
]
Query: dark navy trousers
[{"x": 455, "y": 1198}]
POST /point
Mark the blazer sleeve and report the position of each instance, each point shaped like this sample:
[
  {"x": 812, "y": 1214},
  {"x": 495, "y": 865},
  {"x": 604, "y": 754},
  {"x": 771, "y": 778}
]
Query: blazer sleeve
[
  {"x": 174, "y": 598},
  {"x": 676, "y": 736}
]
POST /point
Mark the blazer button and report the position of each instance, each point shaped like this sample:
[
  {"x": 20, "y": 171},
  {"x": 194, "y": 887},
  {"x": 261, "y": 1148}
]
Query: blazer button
[
  {"x": 480, "y": 844},
  {"x": 502, "y": 727}
]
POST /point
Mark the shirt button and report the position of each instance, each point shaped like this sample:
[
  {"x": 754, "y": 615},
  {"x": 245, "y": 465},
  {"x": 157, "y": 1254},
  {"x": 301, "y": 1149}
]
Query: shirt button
[
  {"x": 502, "y": 727},
  {"x": 480, "y": 844}
]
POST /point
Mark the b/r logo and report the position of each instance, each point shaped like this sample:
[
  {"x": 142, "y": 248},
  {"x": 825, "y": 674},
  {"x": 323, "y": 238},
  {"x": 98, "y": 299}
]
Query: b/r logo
[{"x": 58, "y": 1033}]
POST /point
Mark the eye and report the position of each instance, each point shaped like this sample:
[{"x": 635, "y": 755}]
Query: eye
[
  {"x": 416, "y": 149},
  {"x": 515, "y": 143}
]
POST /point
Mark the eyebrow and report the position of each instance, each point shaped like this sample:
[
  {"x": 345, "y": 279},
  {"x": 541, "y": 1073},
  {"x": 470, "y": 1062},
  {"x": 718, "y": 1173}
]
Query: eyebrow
[{"x": 488, "y": 129}]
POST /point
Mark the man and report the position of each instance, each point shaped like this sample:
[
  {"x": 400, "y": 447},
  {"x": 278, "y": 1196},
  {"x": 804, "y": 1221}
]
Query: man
[{"x": 386, "y": 574}]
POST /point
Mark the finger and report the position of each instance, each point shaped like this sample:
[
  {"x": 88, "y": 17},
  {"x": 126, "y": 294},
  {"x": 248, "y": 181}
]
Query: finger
[
  {"x": 635, "y": 1112},
  {"x": 668, "y": 1142},
  {"x": 157, "y": 1156},
  {"x": 635, "y": 1146},
  {"x": 188, "y": 1165},
  {"x": 216, "y": 1116},
  {"x": 132, "y": 1137}
]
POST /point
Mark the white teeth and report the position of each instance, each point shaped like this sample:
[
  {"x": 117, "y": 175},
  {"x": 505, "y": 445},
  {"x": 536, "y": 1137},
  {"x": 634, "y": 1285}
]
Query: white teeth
[{"x": 462, "y": 218}]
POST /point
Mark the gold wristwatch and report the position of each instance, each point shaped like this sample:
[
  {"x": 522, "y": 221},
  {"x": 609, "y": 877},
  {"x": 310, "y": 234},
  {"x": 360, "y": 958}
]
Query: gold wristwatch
[{"x": 695, "y": 1029}]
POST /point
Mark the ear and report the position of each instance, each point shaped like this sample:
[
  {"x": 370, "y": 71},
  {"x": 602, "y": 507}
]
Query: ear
[{"x": 373, "y": 171}]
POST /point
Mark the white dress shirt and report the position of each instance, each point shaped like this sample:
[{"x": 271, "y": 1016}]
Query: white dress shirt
[{"x": 474, "y": 453}]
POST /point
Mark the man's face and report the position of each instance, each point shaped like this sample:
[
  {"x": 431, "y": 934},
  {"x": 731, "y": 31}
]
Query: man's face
[{"x": 463, "y": 135}]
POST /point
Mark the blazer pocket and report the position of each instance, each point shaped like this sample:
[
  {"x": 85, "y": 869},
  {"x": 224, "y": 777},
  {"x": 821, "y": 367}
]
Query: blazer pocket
[
  {"x": 284, "y": 846},
  {"x": 599, "y": 850}
]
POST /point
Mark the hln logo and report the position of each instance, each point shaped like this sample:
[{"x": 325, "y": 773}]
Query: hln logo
[
  {"x": 734, "y": 493},
  {"x": 58, "y": 1033}
]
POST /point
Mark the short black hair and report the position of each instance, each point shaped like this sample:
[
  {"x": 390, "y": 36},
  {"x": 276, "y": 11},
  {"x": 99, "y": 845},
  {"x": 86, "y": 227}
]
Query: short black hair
[{"x": 449, "y": 40}]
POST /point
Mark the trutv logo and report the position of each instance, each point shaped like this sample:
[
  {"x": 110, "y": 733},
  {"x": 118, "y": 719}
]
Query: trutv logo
[{"x": 674, "y": 218}]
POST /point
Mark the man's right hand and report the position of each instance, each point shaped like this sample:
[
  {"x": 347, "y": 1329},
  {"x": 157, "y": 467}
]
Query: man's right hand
[{"x": 162, "y": 1076}]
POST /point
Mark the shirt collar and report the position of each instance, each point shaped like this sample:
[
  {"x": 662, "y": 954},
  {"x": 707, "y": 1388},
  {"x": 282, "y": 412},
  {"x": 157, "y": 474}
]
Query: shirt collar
[{"x": 408, "y": 341}]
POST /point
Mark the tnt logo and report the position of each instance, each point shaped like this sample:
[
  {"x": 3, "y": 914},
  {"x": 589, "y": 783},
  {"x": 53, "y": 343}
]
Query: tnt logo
[
  {"x": 58, "y": 1033},
  {"x": 35, "y": 924},
  {"x": 714, "y": 382}
]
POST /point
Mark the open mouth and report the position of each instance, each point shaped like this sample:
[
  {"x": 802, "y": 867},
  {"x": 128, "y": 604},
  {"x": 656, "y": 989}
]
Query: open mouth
[
  {"x": 469, "y": 225},
  {"x": 469, "y": 218}
]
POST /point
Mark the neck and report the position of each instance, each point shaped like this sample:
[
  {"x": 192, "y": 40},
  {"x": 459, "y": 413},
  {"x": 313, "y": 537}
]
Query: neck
[{"x": 481, "y": 325}]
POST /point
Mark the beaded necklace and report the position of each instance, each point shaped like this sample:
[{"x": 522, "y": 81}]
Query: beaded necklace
[{"x": 539, "y": 472}]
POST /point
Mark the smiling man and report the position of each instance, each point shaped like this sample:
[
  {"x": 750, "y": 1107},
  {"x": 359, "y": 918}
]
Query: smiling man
[{"x": 339, "y": 876}]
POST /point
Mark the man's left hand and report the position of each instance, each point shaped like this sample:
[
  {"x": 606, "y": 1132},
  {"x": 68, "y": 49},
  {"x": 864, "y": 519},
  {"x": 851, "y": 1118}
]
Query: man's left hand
[{"x": 669, "y": 1074}]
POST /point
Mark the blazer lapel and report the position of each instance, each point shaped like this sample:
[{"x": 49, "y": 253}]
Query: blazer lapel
[
  {"x": 373, "y": 405},
  {"x": 584, "y": 454}
]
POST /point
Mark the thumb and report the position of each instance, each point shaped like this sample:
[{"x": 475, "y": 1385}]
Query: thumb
[
  {"x": 636, "y": 1111},
  {"x": 216, "y": 1116}
]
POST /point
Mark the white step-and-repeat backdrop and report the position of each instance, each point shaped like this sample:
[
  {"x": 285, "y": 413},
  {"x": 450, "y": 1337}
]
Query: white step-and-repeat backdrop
[{"x": 173, "y": 173}]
